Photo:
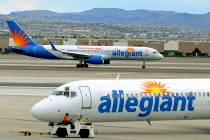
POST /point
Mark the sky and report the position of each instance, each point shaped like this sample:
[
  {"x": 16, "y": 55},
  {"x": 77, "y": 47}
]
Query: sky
[{"x": 188, "y": 6}]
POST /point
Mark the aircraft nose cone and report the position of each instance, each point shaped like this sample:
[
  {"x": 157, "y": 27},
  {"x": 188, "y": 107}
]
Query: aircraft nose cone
[
  {"x": 46, "y": 110},
  {"x": 161, "y": 56},
  {"x": 40, "y": 110},
  {"x": 36, "y": 111}
]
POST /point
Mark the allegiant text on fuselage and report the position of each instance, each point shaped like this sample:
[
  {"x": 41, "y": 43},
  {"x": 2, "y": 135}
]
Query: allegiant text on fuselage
[{"x": 146, "y": 104}]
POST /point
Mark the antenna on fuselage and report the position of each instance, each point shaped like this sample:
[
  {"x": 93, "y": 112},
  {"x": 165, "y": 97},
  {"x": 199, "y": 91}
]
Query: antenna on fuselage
[
  {"x": 118, "y": 77},
  {"x": 76, "y": 42},
  {"x": 149, "y": 122}
]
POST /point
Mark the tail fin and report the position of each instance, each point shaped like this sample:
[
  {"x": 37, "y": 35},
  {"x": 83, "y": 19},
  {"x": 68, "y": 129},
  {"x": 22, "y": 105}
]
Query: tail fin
[{"x": 19, "y": 36}]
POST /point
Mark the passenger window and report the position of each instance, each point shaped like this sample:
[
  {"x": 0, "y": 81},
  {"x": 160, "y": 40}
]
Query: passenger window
[
  {"x": 204, "y": 94},
  {"x": 115, "y": 95},
  {"x": 131, "y": 94},
  {"x": 127, "y": 96},
  {"x": 121, "y": 95},
  {"x": 112, "y": 95},
  {"x": 108, "y": 96},
  {"x": 118, "y": 96},
  {"x": 190, "y": 94},
  {"x": 199, "y": 94},
  {"x": 208, "y": 94},
  {"x": 136, "y": 95},
  {"x": 73, "y": 94}
]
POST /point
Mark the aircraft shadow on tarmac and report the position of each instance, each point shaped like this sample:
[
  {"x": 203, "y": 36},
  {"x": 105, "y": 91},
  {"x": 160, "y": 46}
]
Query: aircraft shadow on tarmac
[{"x": 118, "y": 130}]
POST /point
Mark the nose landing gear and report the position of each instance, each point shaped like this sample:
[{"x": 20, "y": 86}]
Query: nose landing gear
[
  {"x": 82, "y": 65},
  {"x": 144, "y": 65}
]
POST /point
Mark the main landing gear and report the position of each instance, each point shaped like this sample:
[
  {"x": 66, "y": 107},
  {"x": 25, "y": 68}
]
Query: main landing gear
[
  {"x": 144, "y": 65},
  {"x": 82, "y": 64}
]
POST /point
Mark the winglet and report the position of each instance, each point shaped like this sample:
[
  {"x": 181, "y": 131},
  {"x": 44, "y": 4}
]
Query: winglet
[{"x": 53, "y": 46}]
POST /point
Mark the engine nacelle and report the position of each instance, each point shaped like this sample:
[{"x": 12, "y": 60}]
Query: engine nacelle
[{"x": 97, "y": 60}]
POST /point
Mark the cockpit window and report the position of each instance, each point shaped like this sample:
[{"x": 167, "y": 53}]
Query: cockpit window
[
  {"x": 57, "y": 93},
  {"x": 155, "y": 52},
  {"x": 66, "y": 93}
]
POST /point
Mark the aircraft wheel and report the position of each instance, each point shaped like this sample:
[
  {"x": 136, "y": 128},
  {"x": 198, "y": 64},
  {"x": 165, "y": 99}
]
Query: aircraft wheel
[
  {"x": 86, "y": 65},
  {"x": 78, "y": 66}
]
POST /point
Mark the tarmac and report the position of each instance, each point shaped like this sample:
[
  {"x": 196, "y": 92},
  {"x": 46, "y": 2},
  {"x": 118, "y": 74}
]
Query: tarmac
[{"x": 25, "y": 80}]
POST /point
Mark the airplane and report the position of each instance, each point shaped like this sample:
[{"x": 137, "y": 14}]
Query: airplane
[
  {"x": 127, "y": 100},
  {"x": 85, "y": 54}
]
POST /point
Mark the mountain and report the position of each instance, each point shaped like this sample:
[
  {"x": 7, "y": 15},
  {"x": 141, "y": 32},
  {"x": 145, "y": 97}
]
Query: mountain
[
  {"x": 120, "y": 16},
  {"x": 35, "y": 14}
]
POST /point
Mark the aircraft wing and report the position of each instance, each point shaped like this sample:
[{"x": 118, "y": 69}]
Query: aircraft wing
[{"x": 76, "y": 55}]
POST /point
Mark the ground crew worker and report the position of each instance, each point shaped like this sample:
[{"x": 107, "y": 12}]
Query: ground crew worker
[
  {"x": 67, "y": 120},
  {"x": 82, "y": 119}
]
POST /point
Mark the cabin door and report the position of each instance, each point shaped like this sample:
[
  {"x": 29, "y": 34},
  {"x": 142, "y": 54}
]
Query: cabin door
[{"x": 86, "y": 97}]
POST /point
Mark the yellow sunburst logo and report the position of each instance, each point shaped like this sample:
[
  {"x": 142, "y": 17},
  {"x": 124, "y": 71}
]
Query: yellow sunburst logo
[
  {"x": 130, "y": 50},
  {"x": 154, "y": 87},
  {"x": 20, "y": 38}
]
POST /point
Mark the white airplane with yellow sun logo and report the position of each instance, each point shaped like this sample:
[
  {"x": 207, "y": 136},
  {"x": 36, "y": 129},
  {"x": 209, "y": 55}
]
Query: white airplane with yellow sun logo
[
  {"x": 85, "y": 54},
  {"x": 128, "y": 100}
]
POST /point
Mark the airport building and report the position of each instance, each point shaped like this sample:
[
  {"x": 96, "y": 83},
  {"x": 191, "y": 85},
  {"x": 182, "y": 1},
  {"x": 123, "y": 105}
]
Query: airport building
[{"x": 4, "y": 42}]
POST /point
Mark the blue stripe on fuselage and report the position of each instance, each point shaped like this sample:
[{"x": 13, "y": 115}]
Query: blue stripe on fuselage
[{"x": 34, "y": 51}]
